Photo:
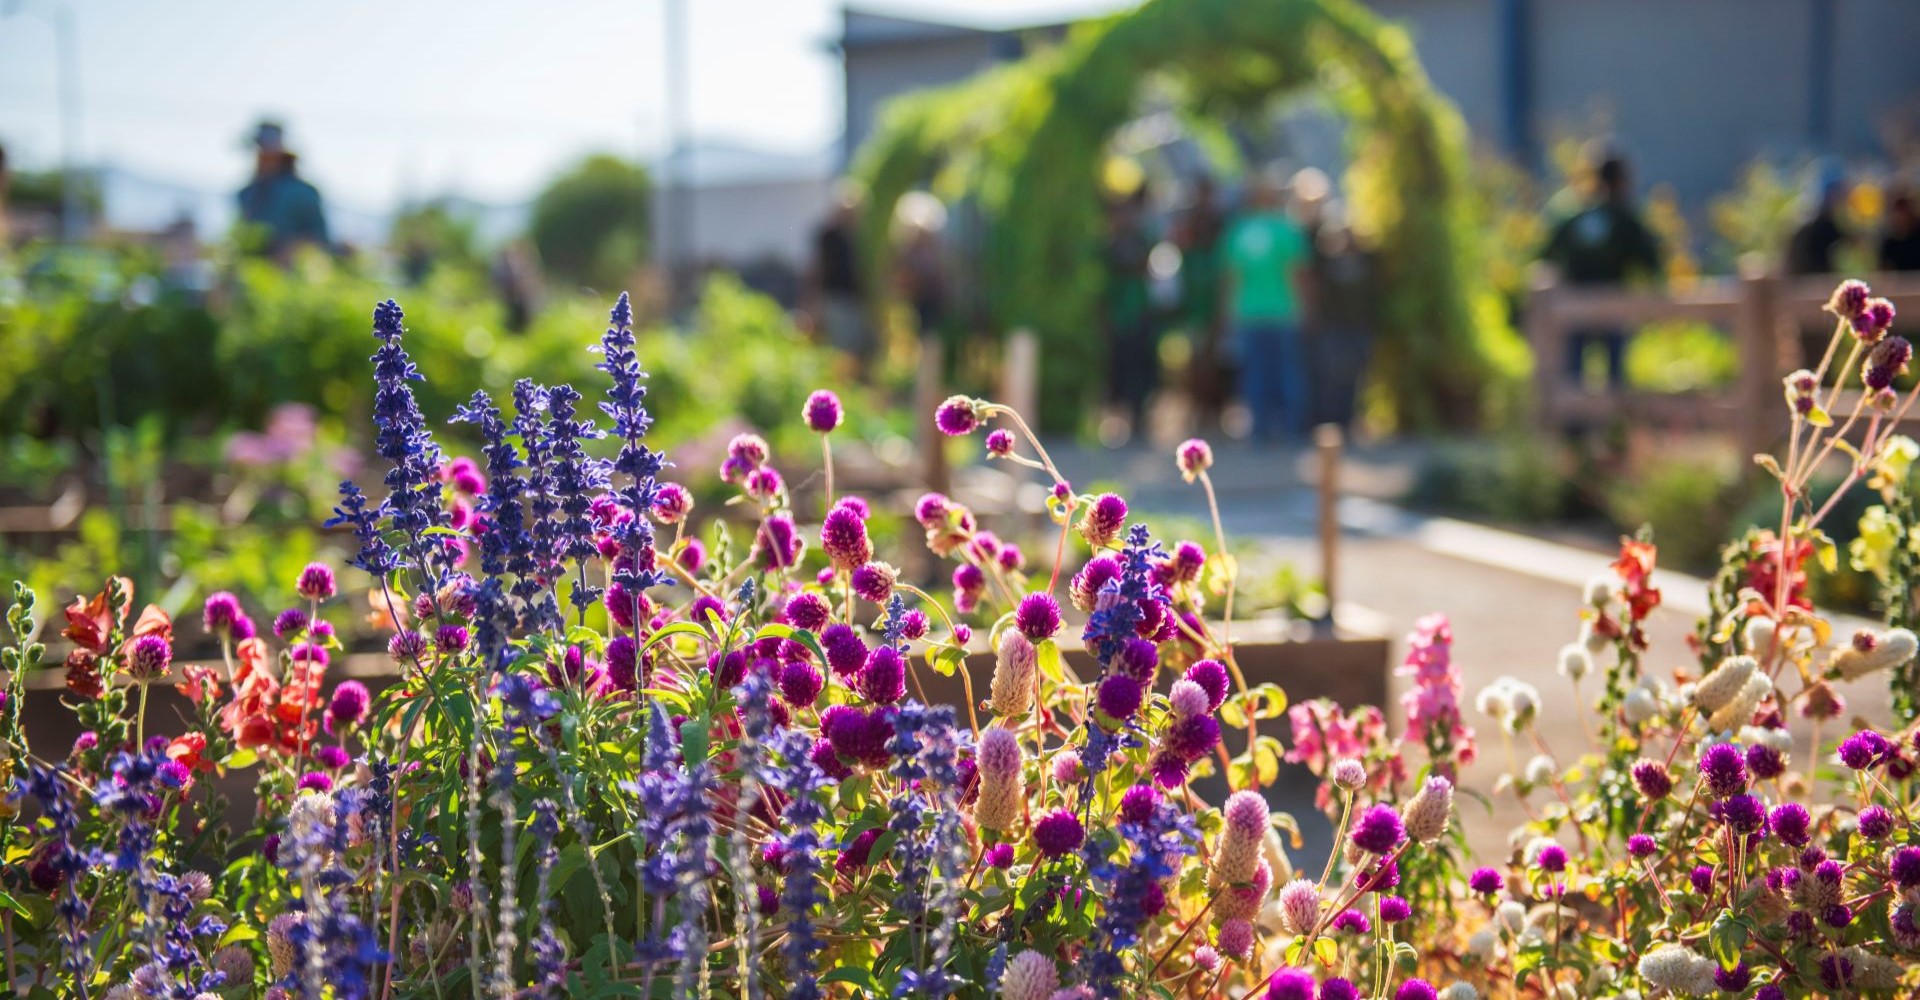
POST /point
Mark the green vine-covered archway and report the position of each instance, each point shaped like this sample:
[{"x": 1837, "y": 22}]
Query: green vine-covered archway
[{"x": 1027, "y": 141}]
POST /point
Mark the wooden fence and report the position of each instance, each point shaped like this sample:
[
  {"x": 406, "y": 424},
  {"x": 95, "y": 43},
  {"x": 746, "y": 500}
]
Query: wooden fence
[{"x": 1763, "y": 313}]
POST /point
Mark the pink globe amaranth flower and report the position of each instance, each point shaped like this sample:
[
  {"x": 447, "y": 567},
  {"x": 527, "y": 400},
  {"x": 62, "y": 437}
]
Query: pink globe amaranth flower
[
  {"x": 883, "y": 677},
  {"x": 220, "y": 613},
  {"x": 1118, "y": 697},
  {"x": 1187, "y": 561},
  {"x": 1235, "y": 940},
  {"x": 956, "y": 417},
  {"x": 1058, "y": 833},
  {"x": 1092, "y": 578},
  {"x": 1206, "y": 958},
  {"x": 626, "y": 608},
  {"x": 671, "y": 503},
  {"x": 1015, "y": 661},
  {"x": 1238, "y": 852},
  {"x": 913, "y": 625},
  {"x": 1348, "y": 774},
  {"x": 999, "y": 442},
  {"x": 1011, "y": 558},
  {"x": 749, "y": 448},
  {"x": 1030, "y": 975},
  {"x": 1243, "y": 902},
  {"x": 801, "y": 683},
  {"x": 962, "y": 635},
  {"x": 874, "y": 582},
  {"x": 1427, "y": 813},
  {"x": 1292, "y": 984},
  {"x": 149, "y": 656},
  {"x": 1192, "y": 738},
  {"x": 1187, "y": 699},
  {"x": 822, "y": 411},
  {"x": 1001, "y": 793},
  {"x": 1038, "y": 616},
  {"x": 348, "y": 706},
  {"x": 316, "y": 582},
  {"x": 1103, "y": 520},
  {"x": 1299, "y": 906},
  {"x": 1212, "y": 677},
  {"x": 1193, "y": 457},
  {"x": 808, "y": 610},
  {"x": 843, "y": 537}
]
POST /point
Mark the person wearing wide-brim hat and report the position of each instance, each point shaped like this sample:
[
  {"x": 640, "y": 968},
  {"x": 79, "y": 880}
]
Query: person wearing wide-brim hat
[{"x": 278, "y": 201}]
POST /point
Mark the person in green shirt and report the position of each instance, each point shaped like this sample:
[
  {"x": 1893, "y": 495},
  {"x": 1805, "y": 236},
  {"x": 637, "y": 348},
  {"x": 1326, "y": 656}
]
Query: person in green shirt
[{"x": 1267, "y": 255}]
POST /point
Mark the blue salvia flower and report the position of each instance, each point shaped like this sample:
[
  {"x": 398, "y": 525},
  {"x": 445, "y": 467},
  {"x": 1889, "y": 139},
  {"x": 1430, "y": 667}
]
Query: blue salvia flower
[
  {"x": 695, "y": 846},
  {"x": 375, "y": 555},
  {"x": 926, "y": 753},
  {"x": 506, "y": 941},
  {"x": 524, "y": 702},
  {"x": 68, "y": 862},
  {"x": 1108, "y": 628},
  {"x": 754, "y": 695},
  {"x": 575, "y": 478},
  {"x": 1126, "y": 882},
  {"x": 131, "y": 794},
  {"x": 549, "y": 955},
  {"x": 626, "y": 405},
  {"x": 656, "y": 800},
  {"x": 413, "y": 483},
  {"x": 506, "y": 546},
  {"x": 535, "y": 570},
  {"x": 797, "y": 779}
]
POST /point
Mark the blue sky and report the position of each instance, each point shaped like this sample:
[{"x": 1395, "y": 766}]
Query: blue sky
[{"x": 387, "y": 100}]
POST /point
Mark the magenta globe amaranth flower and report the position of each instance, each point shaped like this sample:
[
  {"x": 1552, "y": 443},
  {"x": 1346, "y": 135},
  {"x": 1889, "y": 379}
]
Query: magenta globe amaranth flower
[
  {"x": 1038, "y": 617},
  {"x": 1378, "y": 830},
  {"x": 1486, "y": 881},
  {"x": 844, "y": 648},
  {"x": 1791, "y": 823},
  {"x": 1416, "y": 989},
  {"x": 316, "y": 582},
  {"x": 1000, "y": 856},
  {"x": 1103, "y": 520},
  {"x": 348, "y": 706},
  {"x": 289, "y": 623},
  {"x": 331, "y": 756},
  {"x": 450, "y": 639},
  {"x": 407, "y": 646},
  {"x": 1651, "y": 777},
  {"x": 1394, "y": 909},
  {"x": 1863, "y": 749},
  {"x": 1212, "y": 677},
  {"x": 957, "y": 416},
  {"x": 914, "y": 625},
  {"x": 1118, "y": 697},
  {"x": 1724, "y": 770},
  {"x": 999, "y": 442},
  {"x": 1552, "y": 858},
  {"x": 1876, "y": 823},
  {"x": 874, "y": 583},
  {"x": 1293, "y": 984},
  {"x": 1137, "y": 804},
  {"x": 883, "y": 677},
  {"x": 1905, "y": 867},
  {"x": 1765, "y": 762},
  {"x": 1641, "y": 845},
  {"x": 220, "y": 613},
  {"x": 1058, "y": 833},
  {"x": 148, "y": 656},
  {"x": 1744, "y": 814},
  {"x": 822, "y": 411},
  {"x": 1339, "y": 989},
  {"x": 808, "y": 610}
]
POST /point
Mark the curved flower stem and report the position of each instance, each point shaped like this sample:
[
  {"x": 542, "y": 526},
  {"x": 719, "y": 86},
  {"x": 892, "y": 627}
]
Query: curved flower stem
[
  {"x": 996, "y": 409},
  {"x": 1339, "y": 832},
  {"x": 1191, "y": 924},
  {"x": 826, "y": 465},
  {"x": 1060, "y": 547}
]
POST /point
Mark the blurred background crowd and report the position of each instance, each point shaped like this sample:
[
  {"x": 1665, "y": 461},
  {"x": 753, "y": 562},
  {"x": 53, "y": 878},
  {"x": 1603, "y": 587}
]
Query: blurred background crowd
[{"x": 197, "y": 212}]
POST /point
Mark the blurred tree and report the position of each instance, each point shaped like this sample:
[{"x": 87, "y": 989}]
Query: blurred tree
[{"x": 590, "y": 224}]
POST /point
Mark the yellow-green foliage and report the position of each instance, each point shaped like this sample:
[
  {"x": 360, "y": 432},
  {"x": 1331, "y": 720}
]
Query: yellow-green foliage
[{"x": 1035, "y": 133}]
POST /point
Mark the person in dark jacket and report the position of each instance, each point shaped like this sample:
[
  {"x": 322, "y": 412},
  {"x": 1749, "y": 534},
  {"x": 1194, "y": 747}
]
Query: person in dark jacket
[
  {"x": 1900, "y": 244},
  {"x": 1606, "y": 243},
  {"x": 278, "y": 201}
]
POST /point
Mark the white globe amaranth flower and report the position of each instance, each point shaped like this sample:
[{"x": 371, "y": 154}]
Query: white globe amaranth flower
[
  {"x": 1348, "y": 774},
  {"x": 1575, "y": 661},
  {"x": 1593, "y": 639},
  {"x": 1481, "y": 945},
  {"x": 1599, "y": 590},
  {"x": 1640, "y": 705},
  {"x": 1723, "y": 684},
  {"x": 1511, "y": 702},
  {"x": 1758, "y": 635},
  {"x": 1541, "y": 769},
  {"x": 1460, "y": 991},
  {"x": 1678, "y": 969},
  {"x": 1872, "y": 652},
  {"x": 1739, "y": 711},
  {"x": 1512, "y": 916}
]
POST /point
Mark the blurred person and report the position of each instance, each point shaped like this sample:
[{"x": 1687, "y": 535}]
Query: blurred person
[
  {"x": 1900, "y": 244},
  {"x": 1815, "y": 243},
  {"x": 1196, "y": 232},
  {"x": 1605, "y": 243},
  {"x": 515, "y": 273},
  {"x": 835, "y": 291},
  {"x": 1340, "y": 336},
  {"x": 1267, "y": 256},
  {"x": 278, "y": 200},
  {"x": 1132, "y": 356},
  {"x": 920, "y": 268}
]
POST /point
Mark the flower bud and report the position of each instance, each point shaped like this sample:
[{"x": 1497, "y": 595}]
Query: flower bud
[
  {"x": 1030, "y": 975},
  {"x": 1724, "y": 683},
  {"x": 1014, "y": 662},
  {"x": 1299, "y": 906},
  {"x": 1427, "y": 813},
  {"x": 1238, "y": 852},
  {"x": 1870, "y": 653}
]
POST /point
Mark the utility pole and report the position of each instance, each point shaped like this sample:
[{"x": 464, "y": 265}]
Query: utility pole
[
  {"x": 678, "y": 257},
  {"x": 73, "y": 203}
]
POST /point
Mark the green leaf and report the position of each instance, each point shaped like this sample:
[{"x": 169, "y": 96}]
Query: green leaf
[
  {"x": 1050, "y": 663},
  {"x": 666, "y": 632},
  {"x": 1819, "y": 417},
  {"x": 945, "y": 660},
  {"x": 1726, "y": 938}
]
